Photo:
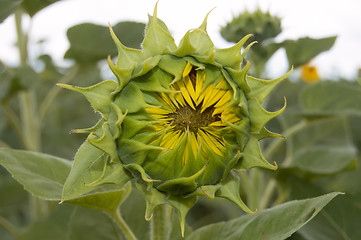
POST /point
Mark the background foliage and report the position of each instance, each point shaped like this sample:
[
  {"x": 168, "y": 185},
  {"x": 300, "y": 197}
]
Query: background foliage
[{"x": 320, "y": 155}]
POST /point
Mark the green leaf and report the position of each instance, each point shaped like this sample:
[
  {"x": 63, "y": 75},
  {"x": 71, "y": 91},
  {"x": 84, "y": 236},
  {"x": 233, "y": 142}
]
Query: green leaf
[
  {"x": 7, "y": 7},
  {"x": 15, "y": 199},
  {"x": 302, "y": 50},
  {"x": 323, "y": 147},
  {"x": 338, "y": 220},
  {"x": 332, "y": 98},
  {"x": 324, "y": 159},
  {"x": 41, "y": 174},
  {"x": 275, "y": 223},
  {"x": 15, "y": 80},
  {"x": 34, "y": 6},
  {"x": 88, "y": 224},
  {"x": 91, "y": 43}
]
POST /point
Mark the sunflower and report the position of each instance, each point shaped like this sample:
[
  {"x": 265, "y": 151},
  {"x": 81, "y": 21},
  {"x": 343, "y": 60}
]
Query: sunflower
[
  {"x": 180, "y": 120},
  {"x": 194, "y": 113}
]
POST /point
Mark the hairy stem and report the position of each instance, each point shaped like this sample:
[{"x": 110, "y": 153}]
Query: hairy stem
[
  {"x": 160, "y": 225},
  {"x": 128, "y": 233},
  {"x": 271, "y": 185},
  {"x": 30, "y": 126}
]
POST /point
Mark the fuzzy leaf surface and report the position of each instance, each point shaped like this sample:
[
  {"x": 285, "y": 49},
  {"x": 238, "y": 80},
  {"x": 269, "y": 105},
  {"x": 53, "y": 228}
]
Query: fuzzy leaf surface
[
  {"x": 332, "y": 98},
  {"x": 34, "y": 6},
  {"x": 273, "y": 224},
  {"x": 90, "y": 42},
  {"x": 41, "y": 174},
  {"x": 302, "y": 50}
]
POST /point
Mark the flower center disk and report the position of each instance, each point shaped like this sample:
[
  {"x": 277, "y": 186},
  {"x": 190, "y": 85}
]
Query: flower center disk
[
  {"x": 186, "y": 118},
  {"x": 194, "y": 114}
]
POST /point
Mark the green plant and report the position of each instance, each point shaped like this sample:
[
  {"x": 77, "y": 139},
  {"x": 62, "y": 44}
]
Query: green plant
[{"x": 158, "y": 90}]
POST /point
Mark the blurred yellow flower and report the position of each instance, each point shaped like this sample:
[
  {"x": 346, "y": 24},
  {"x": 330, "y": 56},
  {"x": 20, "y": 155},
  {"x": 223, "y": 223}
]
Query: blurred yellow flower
[{"x": 309, "y": 73}]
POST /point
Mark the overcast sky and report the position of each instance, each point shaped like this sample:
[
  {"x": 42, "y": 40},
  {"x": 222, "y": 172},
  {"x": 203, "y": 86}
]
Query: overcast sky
[{"x": 300, "y": 18}]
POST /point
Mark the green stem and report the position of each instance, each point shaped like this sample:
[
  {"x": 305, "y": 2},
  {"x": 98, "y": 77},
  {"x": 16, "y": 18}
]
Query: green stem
[
  {"x": 9, "y": 227},
  {"x": 30, "y": 126},
  {"x": 267, "y": 195},
  {"x": 14, "y": 121},
  {"x": 53, "y": 93},
  {"x": 271, "y": 185},
  {"x": 255, "y": 189},
  {"x": 288, "y": 133},
  {"x": 161, "y": 223},
  {"x": 21, "y": 38},
  {"x": 128, "y": 233}
]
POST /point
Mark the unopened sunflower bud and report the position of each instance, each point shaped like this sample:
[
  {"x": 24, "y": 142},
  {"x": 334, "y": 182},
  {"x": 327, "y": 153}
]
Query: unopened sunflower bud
[{"x": 181, "y": 118}]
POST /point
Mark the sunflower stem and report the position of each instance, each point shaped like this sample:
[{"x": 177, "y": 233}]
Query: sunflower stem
[
  {"x": 256, "y": 177},
  {"x": 271, "y": 185},
  {"x": 118, "y": 219},
  {"x": 30, "y": 127},
  {"x": 161, "y": 224}
]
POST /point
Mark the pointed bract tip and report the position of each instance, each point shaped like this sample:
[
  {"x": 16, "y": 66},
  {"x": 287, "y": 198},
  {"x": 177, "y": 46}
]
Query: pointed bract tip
[
  {"x": 276, "y": 166},
  {"x": 155, "y": 13},
  {"x": 203, "y": 26},
  {"x": 148, "y": 218}
]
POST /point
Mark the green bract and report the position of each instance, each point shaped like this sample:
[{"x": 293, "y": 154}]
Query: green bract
[{"x": 180, "y": 120}]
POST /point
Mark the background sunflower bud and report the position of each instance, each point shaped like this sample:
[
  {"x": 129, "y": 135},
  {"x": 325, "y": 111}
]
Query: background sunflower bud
[
  {"x": 180, "y": 119},
  {"x": 261, "y": 24}
]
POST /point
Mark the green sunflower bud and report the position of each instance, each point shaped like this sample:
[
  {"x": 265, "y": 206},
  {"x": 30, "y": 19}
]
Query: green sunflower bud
[
  {"x": 262, "y": 24},
  {"x": 181, "y": 119}
]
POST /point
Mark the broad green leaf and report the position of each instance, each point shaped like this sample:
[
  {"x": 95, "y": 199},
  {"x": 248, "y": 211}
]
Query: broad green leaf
[
  {"x": 302, "y": 50},
  {"x": 324, "y": 159},
  {"x": 13, "y": 202},
  {"x": 275, "y": 223},
  {"x": 41, "y": 174},
  {"x": 54, "y": 226},
  {"x": 88, "y": 224},
  {"x": 338, "y": 220},
  {"x": 7, "y": 7},
  {"x": 332, "y": 98},
  {"x": 322, "y": 147},
  {"x": 91, "y": 43},
  {"x": 17, "y": 79},
  {"x": 34, "y": 6}
]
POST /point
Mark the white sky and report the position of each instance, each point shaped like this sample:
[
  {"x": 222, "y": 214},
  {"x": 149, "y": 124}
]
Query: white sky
[{"x": 300, "y": 18}]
